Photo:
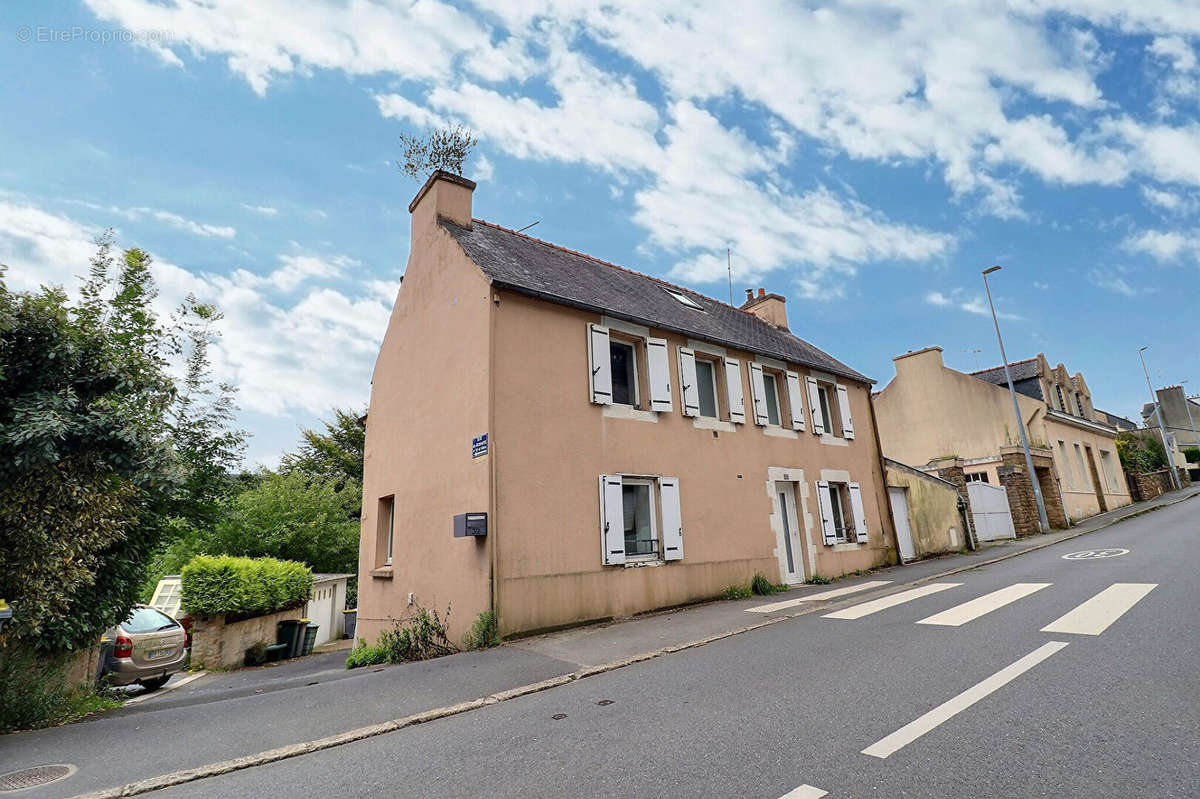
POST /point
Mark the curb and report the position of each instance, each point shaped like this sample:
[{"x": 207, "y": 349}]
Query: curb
[
  {"x": 361, "y": 733},
  {"x": 166, "y": 689}
]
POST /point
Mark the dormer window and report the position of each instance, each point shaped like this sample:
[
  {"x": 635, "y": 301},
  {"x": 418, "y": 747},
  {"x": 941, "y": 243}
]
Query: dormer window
[{"x": 684, "y": 299}]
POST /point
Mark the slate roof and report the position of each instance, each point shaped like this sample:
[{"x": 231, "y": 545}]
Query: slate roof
[
  {"x": 555, "y": 274},
  {"x": 1021, "y": 370}
]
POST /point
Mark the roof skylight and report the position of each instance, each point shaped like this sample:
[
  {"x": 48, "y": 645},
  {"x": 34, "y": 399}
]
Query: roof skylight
[{"x": 683, "y": 298}]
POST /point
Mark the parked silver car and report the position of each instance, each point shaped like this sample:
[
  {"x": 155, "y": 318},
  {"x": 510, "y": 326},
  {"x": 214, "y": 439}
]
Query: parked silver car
[{"x": 146, "y": 648}]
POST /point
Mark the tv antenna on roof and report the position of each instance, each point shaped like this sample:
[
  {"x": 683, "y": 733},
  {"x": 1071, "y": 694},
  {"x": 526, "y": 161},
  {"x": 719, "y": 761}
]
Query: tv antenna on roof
[
  {"x": 729, "y": 271},
  {"x": 531, "y": 224},
  {"x": 976, "y": 354}
]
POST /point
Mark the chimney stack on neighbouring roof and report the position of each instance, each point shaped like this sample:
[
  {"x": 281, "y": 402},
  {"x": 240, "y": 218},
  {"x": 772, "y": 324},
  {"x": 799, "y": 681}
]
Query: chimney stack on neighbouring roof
[
  {"x": 444, "y": 196},
  {"x": 767, "y": 307}
]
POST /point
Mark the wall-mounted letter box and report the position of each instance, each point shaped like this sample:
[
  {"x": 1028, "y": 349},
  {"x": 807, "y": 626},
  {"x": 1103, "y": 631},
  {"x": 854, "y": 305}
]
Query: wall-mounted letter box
[{"x": 467, "y": 524}]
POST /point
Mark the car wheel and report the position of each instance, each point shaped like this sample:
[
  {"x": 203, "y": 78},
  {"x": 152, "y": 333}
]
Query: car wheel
[{"x": 155, "y": 684}]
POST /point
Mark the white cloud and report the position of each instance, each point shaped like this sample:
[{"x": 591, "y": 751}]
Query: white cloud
[
  {"x": 1115, "y": 280},
  {"x": 963, "y": 300},
  {"x": 1164, "y": 245},
  {"x": 1176, "y": 50},
  {"x": 140, "y": 213},
  {"x": 265, "y": 210},
  {"x": 310, "y": 354}
]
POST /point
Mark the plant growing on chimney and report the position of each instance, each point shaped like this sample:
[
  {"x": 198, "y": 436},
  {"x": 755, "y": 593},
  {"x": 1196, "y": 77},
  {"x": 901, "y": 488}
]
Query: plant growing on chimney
[{"x": 447, "y": 148}]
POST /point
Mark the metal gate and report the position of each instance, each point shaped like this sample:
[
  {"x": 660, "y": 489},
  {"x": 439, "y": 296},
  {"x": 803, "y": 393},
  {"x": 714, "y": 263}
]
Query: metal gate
[{"x": 989, "y": 510}]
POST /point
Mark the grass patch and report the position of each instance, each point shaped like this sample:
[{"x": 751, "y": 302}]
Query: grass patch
[
  {"x": 484, "y": 632},
  {"x": 737, "y": 592},
  {"x": 817, "y": 579}
]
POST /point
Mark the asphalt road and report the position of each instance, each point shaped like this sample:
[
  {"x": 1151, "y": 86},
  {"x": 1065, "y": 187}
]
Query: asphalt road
[{"x": 795, "y": 704}]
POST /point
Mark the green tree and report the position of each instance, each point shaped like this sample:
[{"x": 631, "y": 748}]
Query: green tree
[
  {"x": 87, "y": 469},
  {"x": 291, "y": 517},
  {"x": 1141, "y": 451},
  {"x": 334, "y": 454}
]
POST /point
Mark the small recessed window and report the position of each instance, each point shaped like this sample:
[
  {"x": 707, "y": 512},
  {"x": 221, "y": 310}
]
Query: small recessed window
[
  {"x": 772, "y": 398},
  {"x": 624, "y": 373},
  {"x": 683, "y": 298},
  {"x": 706, "y": 383}
]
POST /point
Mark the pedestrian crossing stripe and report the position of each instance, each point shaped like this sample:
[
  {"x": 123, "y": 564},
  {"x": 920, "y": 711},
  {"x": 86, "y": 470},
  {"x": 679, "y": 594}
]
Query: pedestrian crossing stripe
[
  {"x": 1098, "y": 613},
  {"x": 889, "y": 601},
  {"x": 821, "y": 597},
  {"x": 981, "y": 606}
]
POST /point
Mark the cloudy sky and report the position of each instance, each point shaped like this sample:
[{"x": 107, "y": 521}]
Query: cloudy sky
[{"x": 865, "y": 158}]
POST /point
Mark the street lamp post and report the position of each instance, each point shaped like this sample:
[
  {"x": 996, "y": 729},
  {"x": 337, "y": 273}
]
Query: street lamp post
[
  {"x": 1012, "y": 393},
  {"x": 1162, "y": 427}
]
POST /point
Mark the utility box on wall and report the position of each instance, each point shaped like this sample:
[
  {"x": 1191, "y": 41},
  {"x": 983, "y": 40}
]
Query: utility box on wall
[{"x": 470, "y": 524}]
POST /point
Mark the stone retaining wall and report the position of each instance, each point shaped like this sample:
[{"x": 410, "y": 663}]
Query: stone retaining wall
[{"x": 217, "y": 644}]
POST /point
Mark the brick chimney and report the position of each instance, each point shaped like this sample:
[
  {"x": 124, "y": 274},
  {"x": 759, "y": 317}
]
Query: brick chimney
[
  {"x": 767, "y": 307},
  {"x": 444, "y": 196}
]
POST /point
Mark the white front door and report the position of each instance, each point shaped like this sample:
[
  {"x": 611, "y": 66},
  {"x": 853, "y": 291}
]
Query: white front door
[
  {"x": 791, "y": 560},
  {"x": 899, "y": 500}
]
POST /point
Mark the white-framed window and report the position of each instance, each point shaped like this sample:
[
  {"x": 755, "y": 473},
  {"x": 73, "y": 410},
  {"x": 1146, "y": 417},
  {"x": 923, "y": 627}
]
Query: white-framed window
[
  {"x": 623, "y": 363},
  {"x": 771, "y": 398},
  {"x": 385, "y": 529},
  {"x": 168, "y": 595},
  {"x": 706, "y": 387},
  {"x": 683, "y": 299},
  {"x": 614, "y": 364},
  {"x": 829, "y": 404},
  {"x": 978, "y": 477},
  {"x": 640, "y": 519},
  {"x": 843, "y": 519}
]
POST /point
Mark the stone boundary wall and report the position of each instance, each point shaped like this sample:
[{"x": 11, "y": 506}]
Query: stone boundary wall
[{"x": 217, "y": 644}]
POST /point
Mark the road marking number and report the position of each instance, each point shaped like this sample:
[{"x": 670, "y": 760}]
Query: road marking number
[
  {"x": 1095, "y": 554},
  {"x": 804, "y": 792}
]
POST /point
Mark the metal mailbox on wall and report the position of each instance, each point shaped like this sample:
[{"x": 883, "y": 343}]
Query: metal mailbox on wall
[{"x": 470, "y": 524}]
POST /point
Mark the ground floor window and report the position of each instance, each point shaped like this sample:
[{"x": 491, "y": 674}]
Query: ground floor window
[
  {"x": 843, "y": 520},
  {"x": 640, "y": 519}
]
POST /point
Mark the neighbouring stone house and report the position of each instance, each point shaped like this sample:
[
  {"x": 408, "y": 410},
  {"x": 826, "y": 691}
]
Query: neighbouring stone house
[
  {"x": 559, "y": 439},
  {"x": 930, "y": 413}
]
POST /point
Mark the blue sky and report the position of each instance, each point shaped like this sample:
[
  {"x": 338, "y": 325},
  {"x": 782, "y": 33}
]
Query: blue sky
[{"x": 866, "y": 159}]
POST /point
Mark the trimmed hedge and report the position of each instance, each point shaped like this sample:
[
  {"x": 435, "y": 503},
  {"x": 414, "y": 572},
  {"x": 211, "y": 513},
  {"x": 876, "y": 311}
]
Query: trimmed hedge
[{"x": 243, "y": 586}]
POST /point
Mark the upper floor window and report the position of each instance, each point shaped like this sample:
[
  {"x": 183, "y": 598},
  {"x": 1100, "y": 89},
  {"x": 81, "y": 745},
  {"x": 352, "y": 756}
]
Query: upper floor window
[
  {"x": 615, "y": 364},
  {"x": 1079, "y": 404},
  {"x": 772, "y": 392},
  {"x": 1062, "y": 400},
  {"x": 829, "y": 404},
  {"x": 771, "y": 397},
  {"x": 623, "y": 361},
  {"x": 706, "y": 387},
  {"x": 977, "y": 477}
]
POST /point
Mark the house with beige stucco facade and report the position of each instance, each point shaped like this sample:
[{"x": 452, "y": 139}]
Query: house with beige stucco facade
[
  {"x": 951, "y": 421},
  {"x": 560, "y": 439}
]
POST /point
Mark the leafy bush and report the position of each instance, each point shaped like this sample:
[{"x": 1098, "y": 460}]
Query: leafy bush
[
  {"x": 484, "y": 632},
  {"x": 1192, "y": 454},
  {"x": 1141, "y": 451},
  {"x": 817, "y": 579},
  {"x": 243, "y": 586},
  {"x": 419, "y": 637},
  {"x": 364, "y": 655},
  {"x": 33, "y": 691},
  {"x": 736, "y": 592},
  {"x": 762, "y": 586}
]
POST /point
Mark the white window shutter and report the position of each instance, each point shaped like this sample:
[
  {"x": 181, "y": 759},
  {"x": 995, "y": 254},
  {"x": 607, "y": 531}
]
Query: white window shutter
[
  {"x": 599, "y": 364},
  {"x": 672, "y": 520},
  {"x": 733, "y": 388},
  {"x": 814, "y": 405},
  {"x": 844, "y": 407},
  {"x": 758, "y": 394},
  {"x": 660, "y": 374},
  {"x": 689, "y": 394},
  {"x": 612, "y": 519},
  {"x": 795, "y": 400},
  {"x": 828, "y": 531},
  {"x": 860, "y": 518}
]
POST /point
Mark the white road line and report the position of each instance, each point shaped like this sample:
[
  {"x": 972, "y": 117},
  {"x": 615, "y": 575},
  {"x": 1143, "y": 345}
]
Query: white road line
[
  {"x": 981, "y": 606},
  {"x": 1094, "y": 616},
  {"x": 805, "y": 792},
  {"x": 883, "y": 603},
  {"x": 836, "y": 592},
  {"x": 166, "y": 689},
  {"x": 948, "y": 710}
]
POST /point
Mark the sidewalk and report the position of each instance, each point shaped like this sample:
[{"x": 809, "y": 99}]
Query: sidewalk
[{"x": 294, "y": 704}]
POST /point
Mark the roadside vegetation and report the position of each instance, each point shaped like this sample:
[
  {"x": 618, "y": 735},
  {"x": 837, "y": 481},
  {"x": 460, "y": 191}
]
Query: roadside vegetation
[{"x": 420, "y": 636}]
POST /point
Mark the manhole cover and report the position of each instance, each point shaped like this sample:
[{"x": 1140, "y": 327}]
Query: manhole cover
[
  {"x": 33, "y": 777},
  {"x": 1094, "y": 554}
]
